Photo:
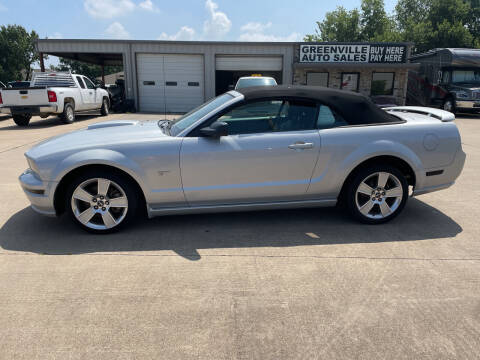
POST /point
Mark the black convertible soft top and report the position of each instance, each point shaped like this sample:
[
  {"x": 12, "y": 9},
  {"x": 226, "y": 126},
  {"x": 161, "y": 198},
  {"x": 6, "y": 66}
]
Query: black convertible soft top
[{"x": 355, "y": 108}]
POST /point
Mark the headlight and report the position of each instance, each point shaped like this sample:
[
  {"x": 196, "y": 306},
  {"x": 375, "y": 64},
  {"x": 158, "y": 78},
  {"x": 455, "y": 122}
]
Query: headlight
[{"x": 462, "y": 94}]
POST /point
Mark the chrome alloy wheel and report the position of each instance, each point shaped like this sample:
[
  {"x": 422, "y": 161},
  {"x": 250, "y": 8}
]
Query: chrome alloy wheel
[
  {"x": 70, "y": 114},
  {"x": 99, "y": 204},
  {"x": 379, "y": 195}
]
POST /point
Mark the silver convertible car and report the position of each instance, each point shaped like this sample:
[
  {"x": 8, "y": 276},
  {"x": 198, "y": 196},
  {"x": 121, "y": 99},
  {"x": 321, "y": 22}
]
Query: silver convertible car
[{"x": 255, "y": 148}]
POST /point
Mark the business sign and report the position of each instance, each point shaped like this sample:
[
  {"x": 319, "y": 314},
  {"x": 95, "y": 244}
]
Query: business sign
[{"x": 351, "y": 53}]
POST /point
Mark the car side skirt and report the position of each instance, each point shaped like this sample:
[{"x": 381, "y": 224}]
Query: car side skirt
[{"x": 152, "y": 212}]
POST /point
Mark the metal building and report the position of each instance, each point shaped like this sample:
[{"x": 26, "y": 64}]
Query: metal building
[{"x": 176, "y": 76}]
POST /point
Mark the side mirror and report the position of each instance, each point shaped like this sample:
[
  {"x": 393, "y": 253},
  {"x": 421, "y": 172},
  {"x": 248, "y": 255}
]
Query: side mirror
[
  {"x": 231, "y": 87},
  {"x": 215, "y": 130}
]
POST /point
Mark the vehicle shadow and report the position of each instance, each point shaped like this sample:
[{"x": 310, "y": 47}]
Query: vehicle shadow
[
  {"x": 468, "y": 115},
  {"x": 49, "y": 122},
  {"x": 29, "y": 232}
]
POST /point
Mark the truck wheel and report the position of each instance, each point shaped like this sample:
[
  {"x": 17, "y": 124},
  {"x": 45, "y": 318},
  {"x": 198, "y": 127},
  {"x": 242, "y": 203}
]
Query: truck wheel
[
  {"x": 104, "y": 109},
  {"x": 22, "y": 120},
  {"x": 68, "y": 115},
  {"x": 449, "y": 105}
]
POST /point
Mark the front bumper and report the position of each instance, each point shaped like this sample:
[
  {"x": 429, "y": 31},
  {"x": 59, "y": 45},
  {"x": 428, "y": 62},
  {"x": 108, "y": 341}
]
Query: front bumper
[
  {"x": 468, "y": 104},
  {"x": 39, "y": 193},
  {"x": 32, "y": 110}
]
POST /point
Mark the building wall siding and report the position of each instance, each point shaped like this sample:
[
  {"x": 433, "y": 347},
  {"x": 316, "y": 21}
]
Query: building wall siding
[
  {"x": 289, "y": 52},
  {"x": 365, "y": 80}
]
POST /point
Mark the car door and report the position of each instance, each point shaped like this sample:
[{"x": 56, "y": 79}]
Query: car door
[
  {"x": 92, "y": 101},
  {"x": 84, "y": 94},
  {"x": 268, "y": 156}
]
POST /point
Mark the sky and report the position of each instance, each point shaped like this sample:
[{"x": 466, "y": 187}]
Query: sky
[{"x": 227, "y": 20}]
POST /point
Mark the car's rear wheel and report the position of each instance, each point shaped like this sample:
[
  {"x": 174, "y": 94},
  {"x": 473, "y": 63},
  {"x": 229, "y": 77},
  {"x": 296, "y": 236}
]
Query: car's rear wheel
[
  {"x": 377, "y": 194},
  {"x": 68, "y": 115},
  {"x": 22, "y": 120},
  {"x": 101, "y": 202}
]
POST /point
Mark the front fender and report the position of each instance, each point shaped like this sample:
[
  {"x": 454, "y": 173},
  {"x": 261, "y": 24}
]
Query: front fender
[{"x": 99, "y": 157}]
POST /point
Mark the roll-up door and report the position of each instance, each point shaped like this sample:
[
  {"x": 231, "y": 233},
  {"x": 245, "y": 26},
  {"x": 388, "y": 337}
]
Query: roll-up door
[
  {"x": 257, "y": 63},
  {"x": 170, "y": 82}
]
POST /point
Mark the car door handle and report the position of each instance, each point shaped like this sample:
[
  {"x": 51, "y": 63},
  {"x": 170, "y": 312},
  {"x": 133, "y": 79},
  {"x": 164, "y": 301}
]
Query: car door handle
[
  {"x": 300, "y": 145},
  {"x": 91, "y": 93}
]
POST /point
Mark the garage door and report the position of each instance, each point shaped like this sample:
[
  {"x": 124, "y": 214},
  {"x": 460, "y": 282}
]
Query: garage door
[
  {"x": 170, "y": 83},
  {"x": 257, "y": 63}
]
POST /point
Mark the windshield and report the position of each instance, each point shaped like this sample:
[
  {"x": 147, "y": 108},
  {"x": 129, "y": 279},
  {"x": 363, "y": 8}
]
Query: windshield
[
  {"x": 243, "y": 83},
  {"x": 196, "y": 114},
  {"x": 466, "y": 76}
]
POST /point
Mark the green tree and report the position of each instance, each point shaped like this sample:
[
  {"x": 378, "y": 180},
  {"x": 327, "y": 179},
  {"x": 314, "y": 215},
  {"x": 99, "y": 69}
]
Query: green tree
[
  {"x": 409, "y": 12},
  {"x": 91, "y": 71},
  {"x": 374, "y": 19},
  {"x": 370, "y": 23},
  {"x": 427, "y": 23},
  {"x": 338, "y": 25},
  {"x": 474, "y": 22},
  {"x": 17, "y": 52},
  {"x": 436, "y": 23}
]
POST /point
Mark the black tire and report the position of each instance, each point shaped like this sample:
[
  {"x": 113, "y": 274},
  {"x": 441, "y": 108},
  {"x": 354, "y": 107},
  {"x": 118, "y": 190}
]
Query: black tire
[
  {"x": 68, "y": 115},
  {"x": 355, "y": 200},
  {"x": 22, "y": 120},
  {"x": 105, "y": 107},
  {"x": 449, "y": 105},
  {"x": 117, "y": 179}
]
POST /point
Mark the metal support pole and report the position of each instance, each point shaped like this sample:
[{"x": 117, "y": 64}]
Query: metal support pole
[{"x": 42, "y": 64}]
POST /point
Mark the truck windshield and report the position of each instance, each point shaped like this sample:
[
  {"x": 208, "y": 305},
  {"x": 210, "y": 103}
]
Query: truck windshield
[
  {"x": 466, "y": 76},
  {"x": 196, "y": 114}
]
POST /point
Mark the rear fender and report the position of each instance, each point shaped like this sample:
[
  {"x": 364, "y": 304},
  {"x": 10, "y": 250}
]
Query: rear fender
[{"x": 332, "y": 177}]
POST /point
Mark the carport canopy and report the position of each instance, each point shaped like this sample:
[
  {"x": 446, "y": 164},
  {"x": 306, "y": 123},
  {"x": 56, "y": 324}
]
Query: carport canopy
[{"x": 91, "y": 58}]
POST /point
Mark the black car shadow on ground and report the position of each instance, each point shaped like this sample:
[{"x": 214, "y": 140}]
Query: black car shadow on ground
[
  {"x": 50, "y": 122},
  {"x": 30, "y": 232},
  {"x": 467, "y": 116}
]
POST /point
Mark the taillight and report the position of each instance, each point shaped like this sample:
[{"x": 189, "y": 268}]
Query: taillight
[
  {"x": 52, "y": 97},
  {"x": 1, "y": 101}
]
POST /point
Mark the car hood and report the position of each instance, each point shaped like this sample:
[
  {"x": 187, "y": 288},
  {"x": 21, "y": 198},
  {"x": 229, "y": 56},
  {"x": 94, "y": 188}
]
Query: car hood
[{"x": 103, "y": 134}]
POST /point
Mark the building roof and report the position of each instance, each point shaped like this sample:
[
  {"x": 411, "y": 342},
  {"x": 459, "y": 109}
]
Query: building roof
[
  {"x": 355, "y": 108},
  {"x": 450, "y": 56}
]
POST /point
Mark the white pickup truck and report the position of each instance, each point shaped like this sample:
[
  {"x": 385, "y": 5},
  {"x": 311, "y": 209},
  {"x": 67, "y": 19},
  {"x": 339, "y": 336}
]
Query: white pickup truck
[{"x": 53, "y": 93}]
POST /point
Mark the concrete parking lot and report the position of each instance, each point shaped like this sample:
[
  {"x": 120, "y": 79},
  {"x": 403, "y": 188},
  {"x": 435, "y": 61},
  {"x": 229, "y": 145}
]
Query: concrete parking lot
[{"x": 292, "y": 284}]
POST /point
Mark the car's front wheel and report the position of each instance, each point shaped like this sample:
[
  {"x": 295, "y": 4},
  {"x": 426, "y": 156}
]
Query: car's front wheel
[
  {"x": 104, "y": 109},
  {"x": 101, "y": 202},
  {"x": 377, "y": 194},
  {"x": 449, "y": 105}
]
